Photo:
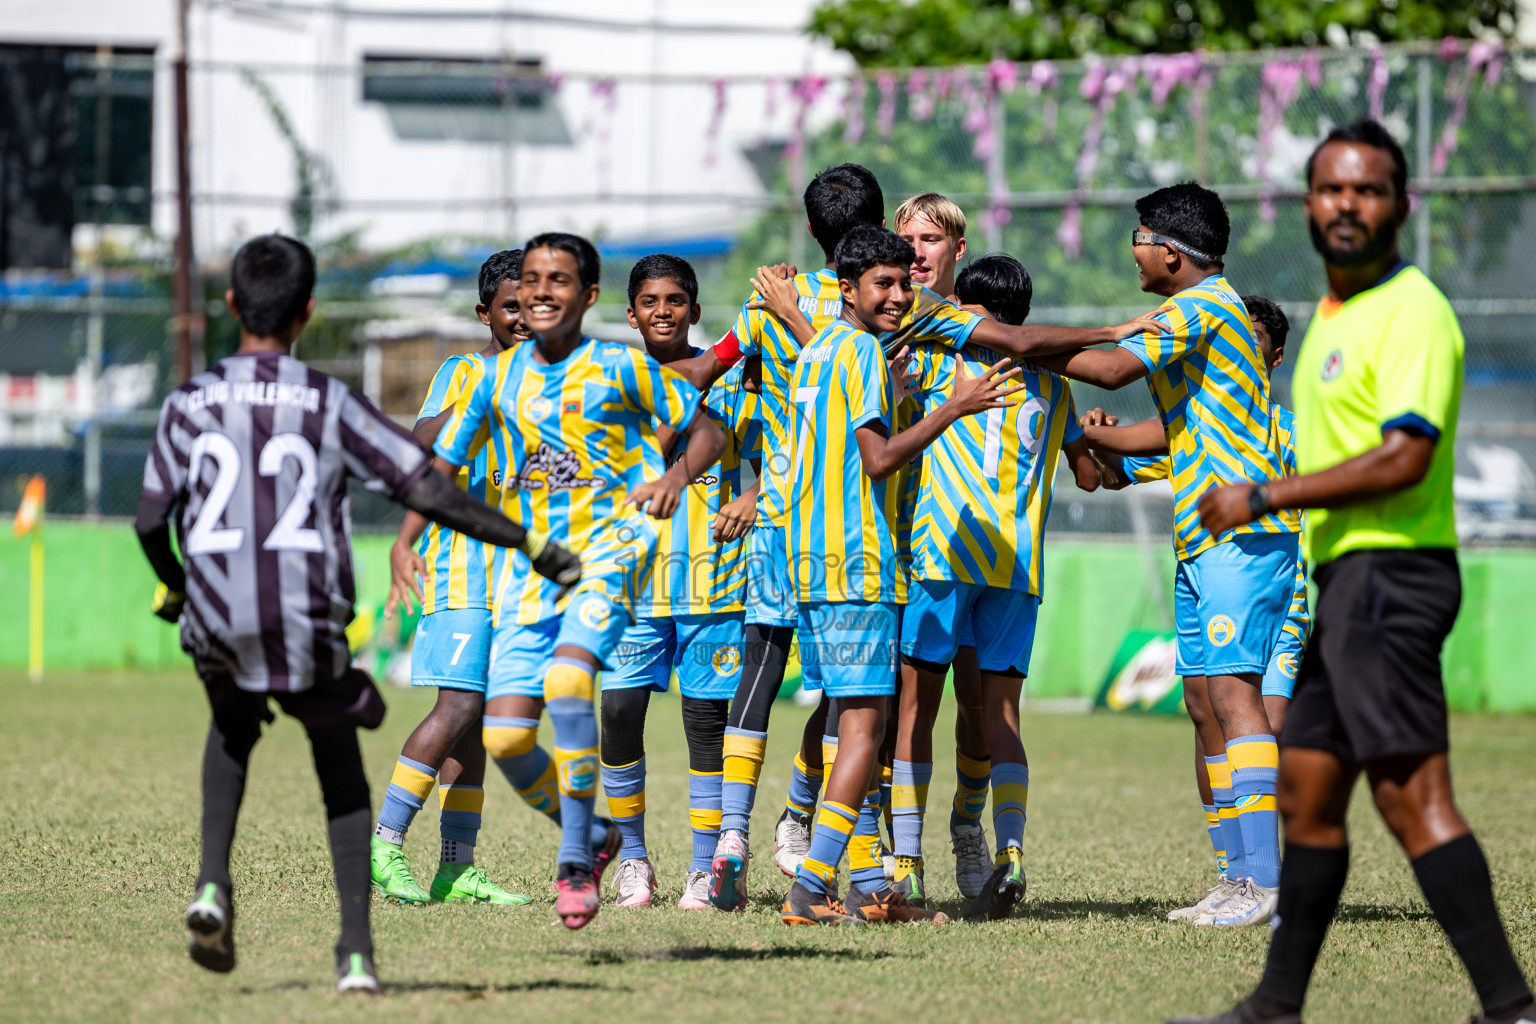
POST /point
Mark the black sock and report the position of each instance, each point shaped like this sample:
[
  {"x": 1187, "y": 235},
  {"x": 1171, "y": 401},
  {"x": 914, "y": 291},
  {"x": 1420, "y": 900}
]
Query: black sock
[
  {"x": 1456, "y": 882},
  {"x": 225, "y": 757},
  {"x": 1311, "y": 878},
  {"x": 764, "y": 655},
  {"x": 344, "y": 786}
]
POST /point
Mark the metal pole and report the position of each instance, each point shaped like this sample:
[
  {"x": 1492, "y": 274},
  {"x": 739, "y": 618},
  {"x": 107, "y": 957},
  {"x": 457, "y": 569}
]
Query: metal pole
[
  {"x": 997, "y": 176},
  {"x": 1421, "y": 236},
  {"x": 187, "y": 325},
  {"x": 95, "y": 325}
]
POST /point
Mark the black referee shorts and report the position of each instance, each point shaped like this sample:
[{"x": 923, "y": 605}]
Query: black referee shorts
[
  {"x": 348, "y": 701},
  {"x": 1370, "y": 684}
]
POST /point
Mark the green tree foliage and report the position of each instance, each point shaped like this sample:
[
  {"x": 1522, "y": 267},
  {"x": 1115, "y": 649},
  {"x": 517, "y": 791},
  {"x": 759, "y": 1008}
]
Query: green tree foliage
[{"x": 925, "y": 33}]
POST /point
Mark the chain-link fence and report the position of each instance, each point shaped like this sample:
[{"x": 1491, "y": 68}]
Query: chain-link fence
[{"x": 404, "y": 174}]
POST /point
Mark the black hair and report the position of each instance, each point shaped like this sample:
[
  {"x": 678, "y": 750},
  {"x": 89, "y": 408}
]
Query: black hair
[
  {"x": 840, "y": 199},
  {"x": 499, "y": 268},
  {"x": 1368, "y": 132},
  {"x": 1269, "y": 313},
  {"x": 657, "y": 265},
  {"x": 999, "y": 284},
  {"x": 273, "y": 277},
  {"x": 588, "y": 264},
  {"x": 1190, "y": 213},
  {"x": 870, "y": 246}
]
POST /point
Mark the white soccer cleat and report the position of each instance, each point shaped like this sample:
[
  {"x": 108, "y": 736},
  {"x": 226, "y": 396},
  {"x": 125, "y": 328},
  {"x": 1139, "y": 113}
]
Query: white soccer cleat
[
  {"x": 791, "y": 842},
  {"x": 636, "y": 881},
  {"x": 1214, "y": 896},
  {"x": 973, "y": 864},
  {"x": 1251, "y": 904},
  {"x": 355, "y": 973},
  {"x": 695, "y": 892}
]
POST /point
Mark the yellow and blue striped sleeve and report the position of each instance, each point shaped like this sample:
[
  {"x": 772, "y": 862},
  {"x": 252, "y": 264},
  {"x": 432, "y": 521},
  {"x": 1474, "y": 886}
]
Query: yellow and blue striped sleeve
[
  {"x": 1159, "y": 349},
  {"x": 936, "y": 319},
  {"x": 1074, "y": 429},
  {"x": 469, "y": 428},
  {"x": 863, "y": 372},
  {"x": 1146, "y": 468},
  {"x": 749, "y": 324},
  {"x": 447, "y": 384},
  {"x": 649, "y": 387},
  {"x": 932, "y": 370}
]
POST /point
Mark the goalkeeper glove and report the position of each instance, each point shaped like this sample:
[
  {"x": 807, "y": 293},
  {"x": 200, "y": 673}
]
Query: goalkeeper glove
[
  {"x": 552, "y": 561},
  {"x": 168, "y": 603}
]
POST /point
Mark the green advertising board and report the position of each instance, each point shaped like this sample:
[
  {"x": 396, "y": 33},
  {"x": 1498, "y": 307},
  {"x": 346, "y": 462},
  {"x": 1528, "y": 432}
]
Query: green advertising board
[{"x": 1141, "y": 676}]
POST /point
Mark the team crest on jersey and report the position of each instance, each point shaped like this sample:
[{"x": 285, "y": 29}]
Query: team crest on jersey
[
  {"x": 538, "y": 407},
  {"x": 727, "y": 660},
  {"x": 1333, "y": 365},
  {"x": 594, "y": 613},
  {"x": 1221, "y": 630},
  {"x": 1287, "y": 665}
]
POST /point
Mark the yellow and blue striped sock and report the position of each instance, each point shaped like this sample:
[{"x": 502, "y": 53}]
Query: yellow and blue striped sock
[
  {"x": 1213, "y": 829},
  {"x": 1010, "y": 802},
  {"x": 743, "y": 749},
  {"x": 909, "y": 803},
  {"x": 1220, "y": 774},
  {"x": 624, "y": 785},
  {"x": 865, "y": 869},
  {"x": 1255, "y": 762},
  {"x": 887, "y": 773},
  {"x": 704, "y": 816},
  {"x": 513, "y": 745},
  {"x": 459, "y": 810},
  {"x": 569, "y": 689},
  {"x": 834, "y": 828},
  {"x": 972, "y": 777},
  {"x": 804, "y": 787},
  {"x": 408, "y": 789}
]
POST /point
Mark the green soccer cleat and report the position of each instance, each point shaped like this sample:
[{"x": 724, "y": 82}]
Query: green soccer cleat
[
  {"x": 1003, "y": 890},
  {"x": 355, "y": 973},
  {"x": 466, "y": 883},
  {"x": 392, "y": 873}
]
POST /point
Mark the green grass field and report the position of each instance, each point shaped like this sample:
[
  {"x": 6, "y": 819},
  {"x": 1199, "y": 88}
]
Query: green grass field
[{"x": 99, "y": 823}]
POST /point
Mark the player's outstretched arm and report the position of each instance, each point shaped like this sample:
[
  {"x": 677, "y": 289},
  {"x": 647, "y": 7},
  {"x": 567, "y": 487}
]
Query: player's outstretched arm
[
  {"x": 701, "y": 370},
  {"x": 1136, "y": 439},
  {"x": 153, "y": 526},
  {"x": 1110, "y": 369},
  {"x": 1032, "y": 341},
  {"x": 1399, "y": 462},
  {"x": 883, "y": 455},
  {"x": 706, "y": 442},
  {"x": 435, "y": 497},
  {"x": 406, "y": 566},
  {"x": 1085, "y": 469}
]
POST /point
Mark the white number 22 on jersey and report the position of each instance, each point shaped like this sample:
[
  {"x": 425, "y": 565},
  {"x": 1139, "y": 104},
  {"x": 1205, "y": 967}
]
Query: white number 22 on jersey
[{"x": 288, "y": 534}]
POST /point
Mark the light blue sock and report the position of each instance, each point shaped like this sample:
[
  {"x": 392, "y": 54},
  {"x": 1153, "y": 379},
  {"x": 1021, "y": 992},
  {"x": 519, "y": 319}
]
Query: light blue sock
[
  {"x": 834, "y": 828},
  {"x": 569, "y": 688},
  {"x": 1010, "y": 800},
  {"x": 624, "y": 785},
  {"x": 408, "y": 789},
  {"x": 1255, "y": 762},
  {"x": 909, "y": 801},
  {"x": 1220, "y": 773},
  {"x": 704, "y": 815},
  {"x": 865, "y": 869}
]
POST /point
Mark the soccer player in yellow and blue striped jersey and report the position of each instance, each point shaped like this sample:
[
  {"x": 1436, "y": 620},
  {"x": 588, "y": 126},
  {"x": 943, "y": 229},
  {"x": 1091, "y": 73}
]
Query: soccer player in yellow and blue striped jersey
[
  {"x": 848, "y": 579},
  {"x": 977, "y": 567},
  {"x": 1233, "y": 592},
  {"x": 689, "y": 618},
  {"x": 575, "y": 425},
  {"x": 453, "y": 640}
]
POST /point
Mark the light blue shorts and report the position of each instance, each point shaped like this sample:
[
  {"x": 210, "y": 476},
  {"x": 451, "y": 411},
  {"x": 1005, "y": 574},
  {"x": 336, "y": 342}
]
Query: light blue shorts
[
  {"x": 771, "y": 597},
  {"x": 943, "y": 616},
  {"x": 850, "y": 647},
  {"x": 1280, "y": 677},
  {"x": 1230, "y": 601},
  {"x": 452, "y": 649},
  {"x": 705, "y": 650},
  {"x": 521, "y": 654}
]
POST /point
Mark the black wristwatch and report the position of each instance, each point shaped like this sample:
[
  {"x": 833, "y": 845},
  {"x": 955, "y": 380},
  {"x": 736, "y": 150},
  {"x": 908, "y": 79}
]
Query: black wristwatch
[{"x": 1258, "y": 500}]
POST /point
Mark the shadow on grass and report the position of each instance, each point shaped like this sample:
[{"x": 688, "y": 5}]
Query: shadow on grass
[
  {"x": 462, "y": 988},
  {"x": 1375, "y": 912},
  {"x": 610, "y": 958},
  {"x": 1063, "y": 910}
]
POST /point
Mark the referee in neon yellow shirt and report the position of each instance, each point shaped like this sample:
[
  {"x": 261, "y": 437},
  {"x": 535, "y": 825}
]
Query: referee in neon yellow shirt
[{"x": 1377, "y": 393}]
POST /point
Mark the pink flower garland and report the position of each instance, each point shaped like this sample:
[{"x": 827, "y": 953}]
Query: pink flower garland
[
  {"x": 1376, "y": 87},
  {"x": 885, "y": 117},
  {"x": 1101, "y": 85},
  {"x": 1279, "y": 81},
  {"x": 599, "y": 123},
  {"x": 919, "y": 100},
  {"x": 805, "y": 91},
  {"x": 1001, "y": 77},
  {"x": 853, "y": 109},
  {"x": 1481, "y": 56},
  {"x": 716, "y": 122}
]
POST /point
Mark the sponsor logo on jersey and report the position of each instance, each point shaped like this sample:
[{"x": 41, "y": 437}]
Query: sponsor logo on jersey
[
  {"x": 594, "y": 613},
  {"x": 727, "y": 660},
  {"x": 1333, "y": 365},
  {"x": 537, "y": 407},
  {"x": 1221, "y": 630}
]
